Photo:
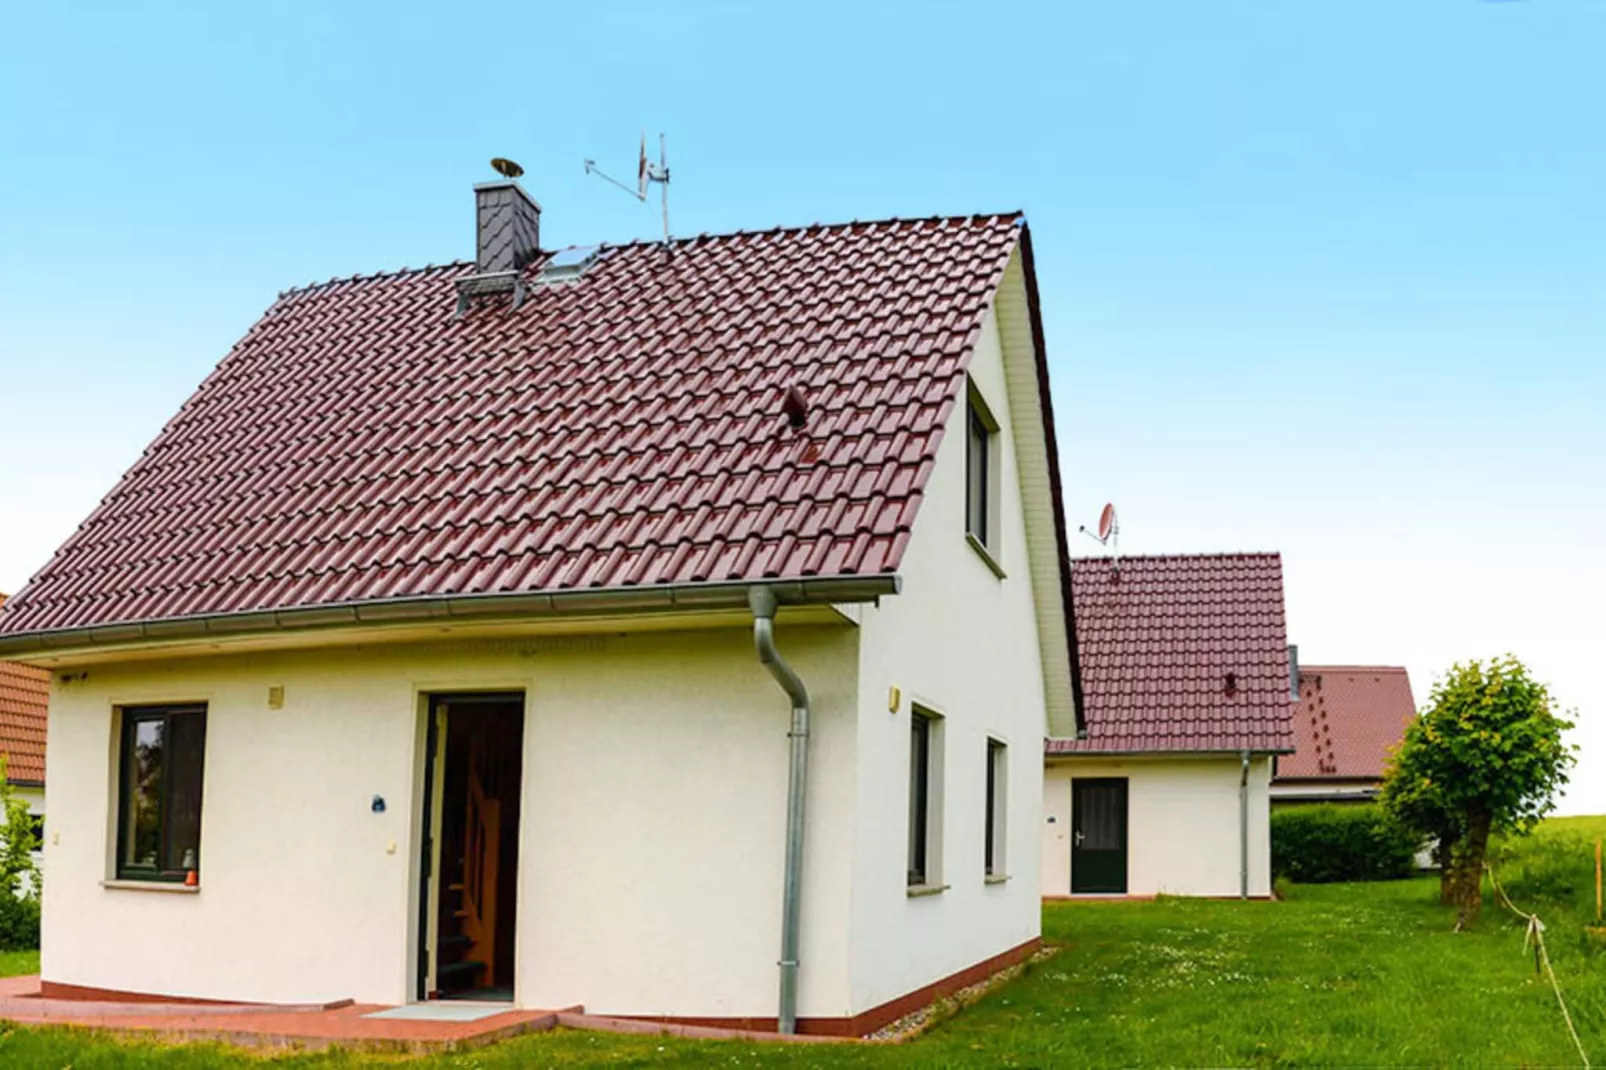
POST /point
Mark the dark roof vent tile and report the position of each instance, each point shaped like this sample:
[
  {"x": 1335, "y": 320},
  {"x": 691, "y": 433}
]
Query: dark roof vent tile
[{"x": 796, "y": 407}]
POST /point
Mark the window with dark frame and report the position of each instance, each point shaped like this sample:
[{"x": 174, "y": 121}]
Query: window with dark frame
[
  {"x": 978, "y": 464},
  {"x": 996, "y": 807},
  {"x": 919, "y": 795},
  {"x": 160, "y": 763}
]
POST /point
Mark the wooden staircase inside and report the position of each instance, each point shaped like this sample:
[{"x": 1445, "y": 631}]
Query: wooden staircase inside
[{"x": 467, "y": 947}]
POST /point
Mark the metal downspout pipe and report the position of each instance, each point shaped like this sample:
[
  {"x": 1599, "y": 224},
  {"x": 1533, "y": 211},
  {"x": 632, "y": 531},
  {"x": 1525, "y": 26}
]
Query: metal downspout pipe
[
  {"x": 1243, "y": 829},
  {"x": 762, "y": 602}
]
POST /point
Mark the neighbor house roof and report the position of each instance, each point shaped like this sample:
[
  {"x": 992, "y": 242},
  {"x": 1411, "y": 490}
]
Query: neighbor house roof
[
  {"x": 1347, "y": 719},
  {"x": 1182, "y": 653},
  {"x": 362, "y": 444},
  {"x": 24, "y": 698}
]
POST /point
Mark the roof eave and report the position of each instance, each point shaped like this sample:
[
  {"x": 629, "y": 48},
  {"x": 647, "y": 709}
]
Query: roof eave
[
  {"x": 1061, "y": 535},
  {"x": 687, "y": 597}
]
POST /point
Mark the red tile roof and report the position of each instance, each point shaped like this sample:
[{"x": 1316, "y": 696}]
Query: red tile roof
[
  {"x": 1347, "y": 719},
  {"x": 623, "y": 430},
  {"x": 24, "y": 697},
  {"x": 1182, "y": 653}
]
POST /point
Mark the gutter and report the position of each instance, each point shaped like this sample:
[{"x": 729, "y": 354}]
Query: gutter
[
  {"x": 1133, "y": 752},
  {"x": 1243, "y": 828},
  {"x": 443, "y": 608},
  {"x": 762, "y": 602}
]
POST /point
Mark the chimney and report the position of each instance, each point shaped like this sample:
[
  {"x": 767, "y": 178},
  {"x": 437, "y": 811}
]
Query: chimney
[
  {"x": 507, "y": 236},
  {"x": 1293, "y": 670},
  {"x": 507, "y": 225}
]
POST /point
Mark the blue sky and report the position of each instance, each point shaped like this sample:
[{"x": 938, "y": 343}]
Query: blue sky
[{"x": 1327, "y": 278}]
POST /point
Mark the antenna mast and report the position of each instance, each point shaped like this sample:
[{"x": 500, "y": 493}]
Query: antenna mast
[{"x": 647, "y": 173}]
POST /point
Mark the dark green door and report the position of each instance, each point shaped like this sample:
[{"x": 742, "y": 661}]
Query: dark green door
[{"x": 1098, "y": 834}]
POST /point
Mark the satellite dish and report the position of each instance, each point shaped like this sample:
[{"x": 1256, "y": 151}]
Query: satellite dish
[
  {"x": 1107, "y": 522},
  {"x": 506, "y": 168}
]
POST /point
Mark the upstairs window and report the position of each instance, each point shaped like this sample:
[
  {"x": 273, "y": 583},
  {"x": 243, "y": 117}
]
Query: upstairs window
[
  {"x": 162, "y": 752},
  {"x": 981, "y": 478}
]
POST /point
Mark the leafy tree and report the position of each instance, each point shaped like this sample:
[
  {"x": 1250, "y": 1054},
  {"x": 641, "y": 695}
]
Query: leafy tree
[
  {"x": 19, "y": 873},
  {"x": 1486, "y": 754},
  {"x": 1412, "y": 798}
]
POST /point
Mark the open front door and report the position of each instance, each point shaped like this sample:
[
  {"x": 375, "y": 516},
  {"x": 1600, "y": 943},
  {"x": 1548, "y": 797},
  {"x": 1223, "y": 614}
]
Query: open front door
[
  {"x": 471, "y": 844},
  {"x": 1098, "y": 835}
]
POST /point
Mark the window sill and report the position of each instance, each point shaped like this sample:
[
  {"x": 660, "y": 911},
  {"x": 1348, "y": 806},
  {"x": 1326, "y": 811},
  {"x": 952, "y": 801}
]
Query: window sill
[
  {"x": 997, "y": 878},
  {"x": 915, "y": 891},
  {"x": 986, "y": 555},
  {"x": 152, "y": 886}
]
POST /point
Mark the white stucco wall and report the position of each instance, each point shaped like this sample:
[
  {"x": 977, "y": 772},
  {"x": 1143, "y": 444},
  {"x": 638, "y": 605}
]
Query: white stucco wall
[
  {"x": 1182, "y": 824},
  {"x": 963, "y": 643},
  {"x": 653, "y": 817},
  {"x": 34, "y": 797}
]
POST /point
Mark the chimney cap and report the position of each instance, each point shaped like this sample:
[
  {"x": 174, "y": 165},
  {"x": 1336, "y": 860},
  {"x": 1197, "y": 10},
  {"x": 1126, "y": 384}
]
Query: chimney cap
[{"x": 505, "y": 167}]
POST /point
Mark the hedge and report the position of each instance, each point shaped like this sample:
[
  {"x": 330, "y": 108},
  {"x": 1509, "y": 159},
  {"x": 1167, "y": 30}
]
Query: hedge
[
  {"x": 1323, "y": 842},
  {"x": 19, "y": 923}
]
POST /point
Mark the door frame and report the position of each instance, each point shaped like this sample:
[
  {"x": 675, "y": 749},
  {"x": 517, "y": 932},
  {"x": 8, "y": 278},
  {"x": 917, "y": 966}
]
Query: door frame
[
  {"x": 1126, "y": 830},
  {"x": 433, "y": 760}
]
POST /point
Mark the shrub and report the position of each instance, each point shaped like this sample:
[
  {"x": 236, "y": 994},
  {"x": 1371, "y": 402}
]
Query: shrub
[
  {"x": 19, "y": 923},
  {"x": 1325, "y": 842}
]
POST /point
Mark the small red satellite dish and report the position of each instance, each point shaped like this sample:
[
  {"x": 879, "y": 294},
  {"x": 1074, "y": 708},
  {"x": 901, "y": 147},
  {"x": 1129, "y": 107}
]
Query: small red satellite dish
[{"x": 1106, "y": 522}]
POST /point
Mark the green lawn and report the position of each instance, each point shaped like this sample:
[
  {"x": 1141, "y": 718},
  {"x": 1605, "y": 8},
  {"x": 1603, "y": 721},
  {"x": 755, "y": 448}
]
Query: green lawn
[
  {"x": 13, "y": 963},
  {"x": 1335, "y": 975}
]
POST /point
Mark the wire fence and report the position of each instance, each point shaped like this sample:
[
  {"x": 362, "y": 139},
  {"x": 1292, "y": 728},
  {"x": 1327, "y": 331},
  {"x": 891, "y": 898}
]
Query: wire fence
[{"x": 1535, "y": 937}]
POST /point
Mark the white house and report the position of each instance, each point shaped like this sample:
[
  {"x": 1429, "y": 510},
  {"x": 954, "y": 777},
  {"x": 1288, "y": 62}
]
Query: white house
[
  {"x": 597, "y": 627},
  {"x": 1187, "y": 696}
]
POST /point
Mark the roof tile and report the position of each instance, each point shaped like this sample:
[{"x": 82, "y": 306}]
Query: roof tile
[
  {"x": 361, "y": 442},
  {"x": 1348, "y": 718},
  {"x": 1158, "y": 637}
]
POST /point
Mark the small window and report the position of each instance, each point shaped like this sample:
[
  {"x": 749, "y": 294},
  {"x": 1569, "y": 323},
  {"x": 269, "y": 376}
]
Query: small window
[
  {"x": 925, "y": 798},
  {"x": 981, "y": 475},
  {"x": 976, "y": 486},
  {"x": 159, "y": 792},
  {"x": 997, "y": 805}
]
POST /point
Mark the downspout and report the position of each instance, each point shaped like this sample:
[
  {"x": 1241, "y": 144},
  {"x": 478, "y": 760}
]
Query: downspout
[
  {"x": 1243, "y": 828},
  {"x": 762, "y": 601}
]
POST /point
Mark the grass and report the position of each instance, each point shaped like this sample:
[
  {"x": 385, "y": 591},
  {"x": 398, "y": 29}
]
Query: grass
[
  {"x": 15, "y": 963},
  {"x": 1338, "y": 974}
]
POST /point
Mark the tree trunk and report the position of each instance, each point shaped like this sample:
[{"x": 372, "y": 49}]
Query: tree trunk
[
  {"x": 1469, "y": 874},
  {"x": 1444, "y": 855}
]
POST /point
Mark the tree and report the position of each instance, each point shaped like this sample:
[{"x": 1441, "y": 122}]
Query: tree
[
  {"x": 1412, "y": 798},
  {"x": 1486, "y": 754},
  {"x": 19, "y": 873}
]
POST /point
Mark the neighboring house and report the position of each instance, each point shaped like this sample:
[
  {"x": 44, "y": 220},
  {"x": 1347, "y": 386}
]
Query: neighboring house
[
  {"x": 24, "y": 696},
  {"x": 1187, "y": 698},
  {"x": 416, "y": 656},
  {"x": 1348, "y": 719}
]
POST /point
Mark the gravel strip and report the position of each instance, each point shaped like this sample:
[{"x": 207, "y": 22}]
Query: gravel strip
[{"x": 912, "y": 1025}]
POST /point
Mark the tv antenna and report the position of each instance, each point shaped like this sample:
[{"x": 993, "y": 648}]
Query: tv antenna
[
  {"x": 647, "y": 173},
  {"x": 1109, "y": 533}
]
